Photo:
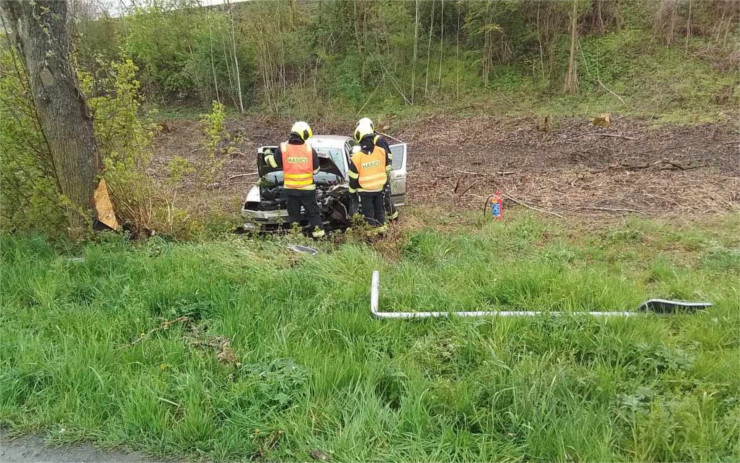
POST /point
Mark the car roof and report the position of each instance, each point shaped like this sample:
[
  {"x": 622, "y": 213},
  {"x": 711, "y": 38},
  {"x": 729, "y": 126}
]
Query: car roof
[{"x": 329, "y": 141}]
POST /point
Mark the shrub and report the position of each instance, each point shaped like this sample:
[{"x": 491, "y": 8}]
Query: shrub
[
  {"x": 29, "y": 198},
  {"x": 123, "y": 139}
]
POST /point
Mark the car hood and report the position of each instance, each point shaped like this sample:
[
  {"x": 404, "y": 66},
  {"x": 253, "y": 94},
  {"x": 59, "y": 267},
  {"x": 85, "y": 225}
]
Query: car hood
[{"x": 326, "y": 163}]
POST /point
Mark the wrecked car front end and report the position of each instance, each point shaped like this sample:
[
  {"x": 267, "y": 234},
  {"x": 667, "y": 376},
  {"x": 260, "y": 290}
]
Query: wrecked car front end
[{"x": 265, "y": 207}]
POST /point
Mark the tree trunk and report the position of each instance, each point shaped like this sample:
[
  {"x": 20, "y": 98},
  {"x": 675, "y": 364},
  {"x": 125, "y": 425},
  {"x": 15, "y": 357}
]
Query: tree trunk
[
  {"x": 40, "y": 32},
  {"x": 416, "y": 41},
  {"x": 487, "y": 46},
  {"x": 539, "y": 40},
  {"x": 599, "y": 16},
  {"x": 236, "y": 59},
  {"x": 688, "y": 31},
  {"x": 571, "y": 80},
  {"x": 429, "y": 53},
  {"x": 457, "y": 56},
  {"x": 441, "y": 42},
  {"x": 213, "y": 65}
]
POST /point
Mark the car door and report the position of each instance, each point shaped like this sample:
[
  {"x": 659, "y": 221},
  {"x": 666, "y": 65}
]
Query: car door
[{"x": 398, "y": 174}]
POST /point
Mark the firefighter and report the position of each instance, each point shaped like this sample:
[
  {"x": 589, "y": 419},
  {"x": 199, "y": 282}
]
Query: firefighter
[
  {"x": 368, "y": 175},
  {"x": 299, "y": 163},
  {"x": 390, "y": 209}
]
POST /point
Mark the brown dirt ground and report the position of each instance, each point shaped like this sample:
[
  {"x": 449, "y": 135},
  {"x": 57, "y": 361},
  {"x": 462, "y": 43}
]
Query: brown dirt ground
[{"x": 575, "y": 168}]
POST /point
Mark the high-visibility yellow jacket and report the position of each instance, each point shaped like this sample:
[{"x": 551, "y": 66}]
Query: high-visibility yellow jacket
[
  {"x": 290, "y": 158},
  {"x": 297, "y": 166},
  {"x": 369, "y": 171}
]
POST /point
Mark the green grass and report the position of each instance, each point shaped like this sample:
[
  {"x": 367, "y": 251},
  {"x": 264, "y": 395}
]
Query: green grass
[{"x": 312, "y": 370}]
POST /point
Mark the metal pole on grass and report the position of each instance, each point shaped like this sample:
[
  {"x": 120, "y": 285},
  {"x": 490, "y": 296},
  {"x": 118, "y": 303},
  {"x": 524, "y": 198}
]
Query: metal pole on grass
[{"x": 375, "y": 294}]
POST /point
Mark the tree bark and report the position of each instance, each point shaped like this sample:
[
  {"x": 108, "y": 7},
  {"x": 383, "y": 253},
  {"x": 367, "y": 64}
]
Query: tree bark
[{"x": 41, "y": 37}]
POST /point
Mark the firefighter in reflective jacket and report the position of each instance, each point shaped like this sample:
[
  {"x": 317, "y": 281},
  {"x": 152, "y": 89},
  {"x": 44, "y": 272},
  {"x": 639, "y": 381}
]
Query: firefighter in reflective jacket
[
  {"x": 368, "y": 174},
  {"x": 390, "y": 210},
  {"x": 299, "y": 163}
]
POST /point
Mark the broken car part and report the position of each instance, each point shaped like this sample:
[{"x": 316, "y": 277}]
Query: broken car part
[
  {"x": 666, "y": 306},
  {"x": 303, "y": 249}
]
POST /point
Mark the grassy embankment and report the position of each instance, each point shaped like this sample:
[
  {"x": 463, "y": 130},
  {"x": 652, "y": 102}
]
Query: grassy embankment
[{"x": 307, "y": 368}]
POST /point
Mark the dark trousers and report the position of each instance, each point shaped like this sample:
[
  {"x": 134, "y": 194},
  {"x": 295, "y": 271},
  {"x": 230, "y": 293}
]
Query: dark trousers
[
  {"x": 307, "y": 199},
  {"x": 372, "y": 208},
  {"x": 390, "y": 209}
]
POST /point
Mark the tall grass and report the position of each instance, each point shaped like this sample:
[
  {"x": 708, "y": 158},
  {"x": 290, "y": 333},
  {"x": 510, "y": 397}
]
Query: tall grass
[{"x": 279, "y": 355}]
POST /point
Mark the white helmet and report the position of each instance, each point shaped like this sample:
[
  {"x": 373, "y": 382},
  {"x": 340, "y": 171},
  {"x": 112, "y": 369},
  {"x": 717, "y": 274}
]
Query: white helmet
[
  {"x": 302, "y": 129},
  {"x": 362, "y": 131},
  {"x": 366, "y": 121}
]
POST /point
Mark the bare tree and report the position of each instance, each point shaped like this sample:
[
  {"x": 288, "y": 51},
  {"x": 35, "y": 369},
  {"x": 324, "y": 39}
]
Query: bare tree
[
  {"x": 441, "y": 42},
  {"x": 40, "y": 32},
  {"x": 571, "y": 80},
  {"x": 236, "y": 58},
  {"x": 665, "y": 20},
  {"x": 429, "y": 52},
  {"x": 213, "y": 65},
  {"x": 457, "y": 56},
  {"x": 599, "y": 16},
  {"x": 688, "y": 30},
  {"x": 416, "y": 43}
]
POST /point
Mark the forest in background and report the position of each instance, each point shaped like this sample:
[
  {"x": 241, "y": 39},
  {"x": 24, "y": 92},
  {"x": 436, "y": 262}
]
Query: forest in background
[{"x": 283, "y": 57}]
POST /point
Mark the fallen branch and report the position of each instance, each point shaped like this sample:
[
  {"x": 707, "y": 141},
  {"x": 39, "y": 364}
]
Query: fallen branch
[
  {"x": 528, "y": 206},
  {"x": 494, "y": 174},
  {"x": 609, "y": 209},
  {"x": 736, "y": 142},
  {"x": 371, "y": 95},
  {"x": 457, "y": 185},
  {"x": 616, "y": 135},
  {"x": 393, "y": 81},
  {"x": 672, "y": 166},
  {"x": 241, "y": 175},
  {"x": 679, "y": 166},
  {"x": 617, "y": 96},
  {"x": 470, "y": 187}
]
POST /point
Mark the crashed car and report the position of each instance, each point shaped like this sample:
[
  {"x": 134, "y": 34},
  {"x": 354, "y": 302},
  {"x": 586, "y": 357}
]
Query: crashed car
[{"x": 265, "y": 207}]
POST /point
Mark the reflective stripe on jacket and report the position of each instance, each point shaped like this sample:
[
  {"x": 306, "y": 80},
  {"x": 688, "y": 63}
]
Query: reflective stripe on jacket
[
  {"x": 297, "y": 166},
  {"x": 371, "y": 169}
]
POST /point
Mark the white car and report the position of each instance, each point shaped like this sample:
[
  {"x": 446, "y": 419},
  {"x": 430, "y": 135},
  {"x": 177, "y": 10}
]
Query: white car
[{"x": 265, "y": 206}]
